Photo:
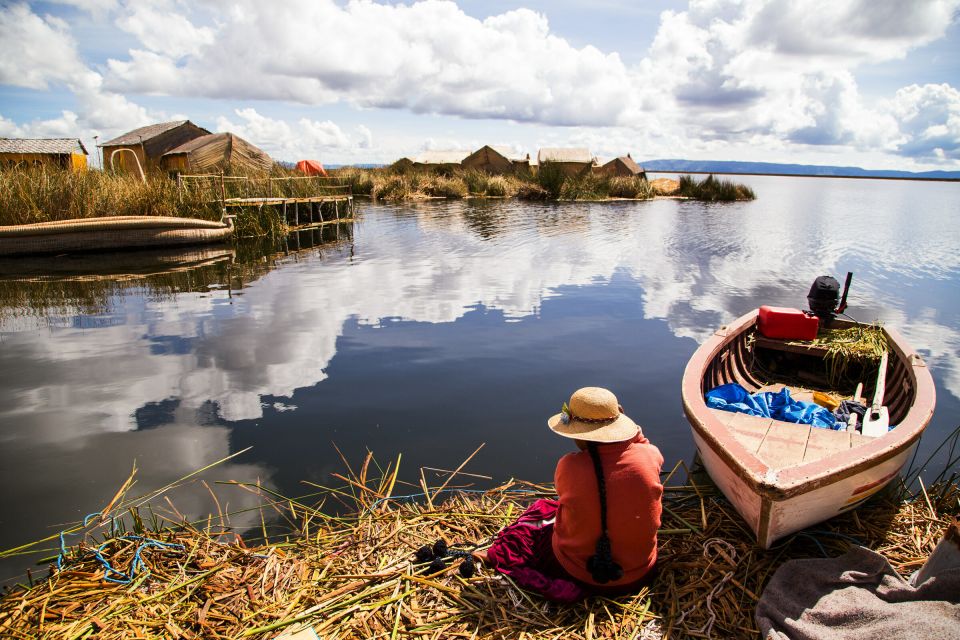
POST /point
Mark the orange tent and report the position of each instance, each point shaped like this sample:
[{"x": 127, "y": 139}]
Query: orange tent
[{"x": 311, "y": 168}]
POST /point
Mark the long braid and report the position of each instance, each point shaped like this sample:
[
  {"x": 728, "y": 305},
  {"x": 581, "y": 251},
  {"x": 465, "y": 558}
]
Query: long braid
[{"x": 601, "y": 564}]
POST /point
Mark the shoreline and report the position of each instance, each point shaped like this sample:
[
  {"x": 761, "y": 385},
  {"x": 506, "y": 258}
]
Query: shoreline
[
  {"x": 354, "y": 572},
  {"x": 806, "y": 175}
]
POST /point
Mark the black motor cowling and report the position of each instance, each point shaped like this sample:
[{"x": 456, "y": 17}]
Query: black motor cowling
[{"x": 824, "y": 297}]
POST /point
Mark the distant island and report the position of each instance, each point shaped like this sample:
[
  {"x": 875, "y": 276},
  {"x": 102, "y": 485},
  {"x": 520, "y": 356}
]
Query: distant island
[{"x": 773, "y": 168}]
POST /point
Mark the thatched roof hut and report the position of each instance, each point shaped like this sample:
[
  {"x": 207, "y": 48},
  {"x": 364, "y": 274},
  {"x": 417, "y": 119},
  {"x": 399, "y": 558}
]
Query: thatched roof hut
[
  {"x": 495, "y": 159},
  {"x": 441, "y": 158},
  {"x": 570, "y": 160},
  {"x": 66, "y": 153},
  {"x": 216, "y": 151},
  {"x": 148, "y": 144},
  {"x": 622, "y": 166}
]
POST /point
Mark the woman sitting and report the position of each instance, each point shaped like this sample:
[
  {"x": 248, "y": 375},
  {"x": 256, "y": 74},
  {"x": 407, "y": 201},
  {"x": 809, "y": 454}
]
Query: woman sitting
[{"x": 600, "y": 535}]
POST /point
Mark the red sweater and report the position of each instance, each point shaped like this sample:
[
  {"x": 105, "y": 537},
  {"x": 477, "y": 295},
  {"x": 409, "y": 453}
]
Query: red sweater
[{"x": 631, "y": 470}]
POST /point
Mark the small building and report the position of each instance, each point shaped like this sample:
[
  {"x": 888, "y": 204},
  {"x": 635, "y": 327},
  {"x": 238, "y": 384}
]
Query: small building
[
  {"x": 497, "y": 160},
  {"x": 441, "y": 160},
  {"x": 215, "y": 152},
  {"x": 571, "y": 161},
  {"x": 402, "y": 165},
  {"x": 622, "y": 166},
  {"x": 148, "y": 144},
  {"x": 65, "y": 153}
]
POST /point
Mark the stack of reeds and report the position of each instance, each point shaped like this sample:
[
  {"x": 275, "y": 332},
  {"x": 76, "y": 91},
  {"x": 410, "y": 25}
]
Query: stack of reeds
[{"x": 356, "y": 575}]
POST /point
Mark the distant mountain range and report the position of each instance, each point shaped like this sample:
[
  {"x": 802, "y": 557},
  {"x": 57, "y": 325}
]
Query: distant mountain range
[{"x": 771, "y": 168}]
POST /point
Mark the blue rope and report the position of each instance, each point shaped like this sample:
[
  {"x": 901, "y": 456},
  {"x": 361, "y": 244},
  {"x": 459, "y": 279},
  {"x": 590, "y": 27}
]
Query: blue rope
[
  {"x": 63, "y": 542},
  {"x": 137, "y": 563}
]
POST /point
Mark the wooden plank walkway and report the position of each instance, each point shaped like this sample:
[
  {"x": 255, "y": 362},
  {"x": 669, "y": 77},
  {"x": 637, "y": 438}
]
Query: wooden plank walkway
[{"x": 303, "y": 212}]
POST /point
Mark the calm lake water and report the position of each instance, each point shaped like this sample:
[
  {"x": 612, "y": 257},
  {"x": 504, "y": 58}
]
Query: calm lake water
[{"x": 430, "y": 329}]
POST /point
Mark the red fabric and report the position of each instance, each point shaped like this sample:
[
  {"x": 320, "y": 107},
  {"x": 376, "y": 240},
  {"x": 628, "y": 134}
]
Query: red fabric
[
  {"x": 311, "y": 168},
  {"x": 522, "y": 551},
  {"x": 632, "y": 476}
]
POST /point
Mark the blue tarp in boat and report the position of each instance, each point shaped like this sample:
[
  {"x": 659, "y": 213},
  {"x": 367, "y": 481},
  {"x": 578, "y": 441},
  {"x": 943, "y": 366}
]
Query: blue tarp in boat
[{"x": 770, "y": 404}]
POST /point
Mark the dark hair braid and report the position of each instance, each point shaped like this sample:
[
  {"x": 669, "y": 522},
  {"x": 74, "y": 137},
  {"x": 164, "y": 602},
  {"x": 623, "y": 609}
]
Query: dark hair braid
[{"x": 601, "y": 564}]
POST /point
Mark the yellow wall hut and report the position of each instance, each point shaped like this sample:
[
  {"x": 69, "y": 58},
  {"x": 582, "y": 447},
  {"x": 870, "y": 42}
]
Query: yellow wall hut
[{"x": 66, "y": 153}]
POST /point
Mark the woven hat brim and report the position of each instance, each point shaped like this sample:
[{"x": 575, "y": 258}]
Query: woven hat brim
[{"x": 623, "y": 428}]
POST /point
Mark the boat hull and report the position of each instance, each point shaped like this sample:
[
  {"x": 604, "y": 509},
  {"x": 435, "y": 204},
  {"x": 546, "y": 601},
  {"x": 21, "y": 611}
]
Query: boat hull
[
  {"x": 778, "y": 499},
  {"x": 110, "y": 234},
  {"x": 771, "y": 519}
]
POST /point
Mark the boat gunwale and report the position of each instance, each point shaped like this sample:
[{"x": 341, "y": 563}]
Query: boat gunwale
[
  {"x": 780, "y": 484},
  {"x": 109, "y": 223}
]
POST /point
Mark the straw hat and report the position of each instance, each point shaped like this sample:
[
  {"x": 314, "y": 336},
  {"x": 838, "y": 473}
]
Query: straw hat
[{"x": 593, "y": 415}]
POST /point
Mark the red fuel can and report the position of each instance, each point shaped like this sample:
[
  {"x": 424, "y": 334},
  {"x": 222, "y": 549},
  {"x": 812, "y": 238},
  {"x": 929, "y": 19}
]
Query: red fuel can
[{"x": 784, "y": 323}]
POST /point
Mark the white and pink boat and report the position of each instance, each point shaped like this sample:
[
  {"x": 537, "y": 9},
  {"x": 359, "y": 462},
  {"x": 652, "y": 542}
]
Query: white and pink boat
[{"x": 781, "y": 476}]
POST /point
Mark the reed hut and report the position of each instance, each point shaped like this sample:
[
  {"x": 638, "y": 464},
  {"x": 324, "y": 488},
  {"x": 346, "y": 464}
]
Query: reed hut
[
  {"x": 65, "y": 153},
  {"x": 215, "y": 152},
  {"x": 495, "y": 160},
  {"x": 148, "y": 144},
  {"x": 443, "y": 161},
  {"x": 571, "y": 161},
  {"x": 622, "y": 166},
  {"x": 403, "y": 165}
]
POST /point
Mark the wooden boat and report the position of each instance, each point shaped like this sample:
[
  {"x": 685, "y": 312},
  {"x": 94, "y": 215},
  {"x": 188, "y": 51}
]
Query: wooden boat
[
  {"x": 110, "y": 233},
  {"x": 783, "y": 477}
]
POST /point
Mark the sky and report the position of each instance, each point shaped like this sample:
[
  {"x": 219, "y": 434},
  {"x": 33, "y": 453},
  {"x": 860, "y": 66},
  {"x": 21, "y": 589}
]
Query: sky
[{"x": 867, "y": 83}]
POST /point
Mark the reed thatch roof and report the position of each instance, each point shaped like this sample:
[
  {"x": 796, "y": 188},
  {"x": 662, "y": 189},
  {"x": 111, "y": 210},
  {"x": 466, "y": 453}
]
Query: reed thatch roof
[
  {"x": 42, "y": 145},
  {"x": 446, "y": 156},
  {"x": 625, "y": 164},
  {"x": 564, "y": 154},
  {"x": 146, "y": 133},
  {"x": 220, "y": 150}
]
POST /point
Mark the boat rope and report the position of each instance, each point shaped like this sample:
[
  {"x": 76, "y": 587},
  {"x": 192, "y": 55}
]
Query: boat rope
[{"x": 726, "y": 551}]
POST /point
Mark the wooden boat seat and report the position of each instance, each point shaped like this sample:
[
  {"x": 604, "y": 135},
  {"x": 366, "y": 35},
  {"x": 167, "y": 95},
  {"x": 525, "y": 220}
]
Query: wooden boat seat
[{"x": 785, "y": 444}]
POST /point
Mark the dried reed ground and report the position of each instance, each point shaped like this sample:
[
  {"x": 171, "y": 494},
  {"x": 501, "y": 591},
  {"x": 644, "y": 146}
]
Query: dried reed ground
[{"x": 354, "y": 576}]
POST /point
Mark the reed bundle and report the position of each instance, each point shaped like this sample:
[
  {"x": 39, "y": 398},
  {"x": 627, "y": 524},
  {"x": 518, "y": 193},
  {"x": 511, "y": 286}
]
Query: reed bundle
[
  {"x": 356, "y": 575},
  {"x": 862, "y": 345}
]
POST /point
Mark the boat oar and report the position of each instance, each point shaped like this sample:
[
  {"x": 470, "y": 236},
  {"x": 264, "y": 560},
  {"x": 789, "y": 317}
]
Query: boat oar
[{"x": 876, "y": 422}]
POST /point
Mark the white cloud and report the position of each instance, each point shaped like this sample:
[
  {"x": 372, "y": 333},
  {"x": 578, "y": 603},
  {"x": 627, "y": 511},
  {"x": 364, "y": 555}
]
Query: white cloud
[
  {"x": 161, "y": 29},
  {"x": 35, "y": 51},
  {"x": 307, "y": 139},
  {"x": 929, "y": 118},
  {"x": 721, "y": 75}
]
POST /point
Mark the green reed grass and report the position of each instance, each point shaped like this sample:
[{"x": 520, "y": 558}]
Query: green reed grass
[{"x": 711, "y": 189}]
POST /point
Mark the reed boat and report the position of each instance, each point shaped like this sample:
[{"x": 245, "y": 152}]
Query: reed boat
[
  {"x": 783, "y": 477},
  {"x": 111, "y": 233}
]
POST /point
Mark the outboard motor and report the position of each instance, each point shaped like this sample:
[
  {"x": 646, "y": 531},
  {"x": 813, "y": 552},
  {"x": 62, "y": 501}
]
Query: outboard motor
[{"x": 823, "y": 298}]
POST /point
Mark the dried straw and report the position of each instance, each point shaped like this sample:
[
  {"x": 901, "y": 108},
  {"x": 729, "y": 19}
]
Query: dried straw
[{"x": 355, "y": 576}]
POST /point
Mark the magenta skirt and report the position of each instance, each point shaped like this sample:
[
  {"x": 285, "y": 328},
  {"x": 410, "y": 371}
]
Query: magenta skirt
[{"x": 524, "y": 552}]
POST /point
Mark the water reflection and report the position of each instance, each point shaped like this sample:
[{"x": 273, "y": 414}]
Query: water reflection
[{"x": 433, "y": 327}]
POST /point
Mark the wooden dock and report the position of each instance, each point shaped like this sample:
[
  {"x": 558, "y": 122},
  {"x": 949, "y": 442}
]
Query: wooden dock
[
  {"x": 320, "y": 200},
  {"x": 305, "y": 211}
]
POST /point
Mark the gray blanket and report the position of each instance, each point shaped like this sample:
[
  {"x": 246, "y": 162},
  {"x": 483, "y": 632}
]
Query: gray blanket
[{"x": 859, "y": 596}]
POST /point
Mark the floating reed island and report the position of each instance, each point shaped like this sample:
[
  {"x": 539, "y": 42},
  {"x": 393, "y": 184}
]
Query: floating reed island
[
  {"x": 548, "y": 183},
  {"x": 346, "y": 565},
  {"x": 44, "y": 194}
]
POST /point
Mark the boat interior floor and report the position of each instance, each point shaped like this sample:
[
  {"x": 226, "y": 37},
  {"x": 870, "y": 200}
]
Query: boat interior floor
[{"x": 785, "y": 444}]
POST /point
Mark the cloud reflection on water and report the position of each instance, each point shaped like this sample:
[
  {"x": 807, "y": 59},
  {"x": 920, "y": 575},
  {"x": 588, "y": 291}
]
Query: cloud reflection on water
[{"x": 74, "y": 390}]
